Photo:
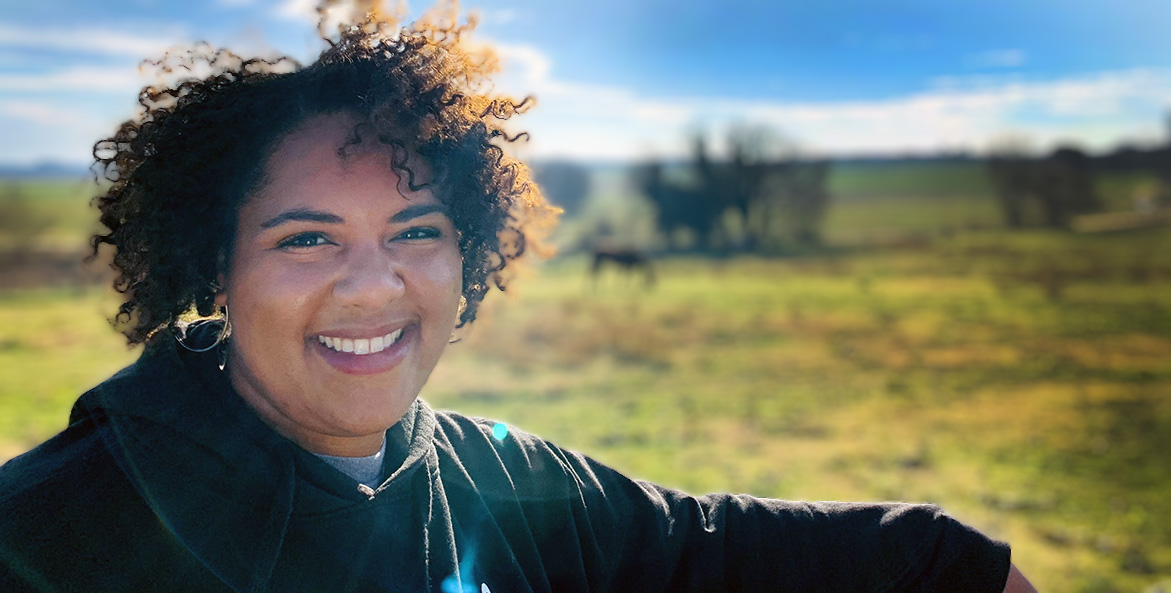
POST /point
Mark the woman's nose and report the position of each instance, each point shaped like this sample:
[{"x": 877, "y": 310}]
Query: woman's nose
[{"x": 371, "y": 278}]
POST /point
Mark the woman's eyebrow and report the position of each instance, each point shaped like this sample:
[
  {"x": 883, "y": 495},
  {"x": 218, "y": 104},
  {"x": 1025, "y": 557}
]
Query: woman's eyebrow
[
  {"x": 301, "y": 214},
  {"x": 417, "y": 210}
]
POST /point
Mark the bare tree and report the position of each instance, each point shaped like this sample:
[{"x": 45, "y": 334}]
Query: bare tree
[
  {"x": 1061, "y": 186},
  {"x": 761, "y": 183},
  {"x": 679, "y": 205}
]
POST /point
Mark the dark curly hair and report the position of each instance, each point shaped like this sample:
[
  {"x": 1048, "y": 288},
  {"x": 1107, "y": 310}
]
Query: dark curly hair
[{"x": 180, "y": 170}]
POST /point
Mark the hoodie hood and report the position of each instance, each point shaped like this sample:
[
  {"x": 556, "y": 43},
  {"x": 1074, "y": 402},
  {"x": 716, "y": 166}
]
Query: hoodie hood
[{"x": 222, "y": 481}]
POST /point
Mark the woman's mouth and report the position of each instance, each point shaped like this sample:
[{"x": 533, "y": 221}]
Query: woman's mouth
[
  {"x": 361, "y": 346},
  {"x": 365, "y": 356}
]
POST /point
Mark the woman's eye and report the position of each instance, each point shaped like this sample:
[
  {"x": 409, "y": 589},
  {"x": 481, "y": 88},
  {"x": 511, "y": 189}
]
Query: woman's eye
[
  {"x": 302, "y": 240},
  {"x": 418, "y": 233}
]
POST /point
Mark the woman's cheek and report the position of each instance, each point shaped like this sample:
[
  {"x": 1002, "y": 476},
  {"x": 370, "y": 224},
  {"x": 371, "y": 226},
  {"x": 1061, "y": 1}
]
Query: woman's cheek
[
  {"x": 288, "y": 292},
  {"x": 447, "y": 275}
]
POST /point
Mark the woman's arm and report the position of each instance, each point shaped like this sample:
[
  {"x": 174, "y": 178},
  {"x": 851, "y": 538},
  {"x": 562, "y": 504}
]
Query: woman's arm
[
  {"x": 592, "y": 524},
  {"x": 1017, "y": 583},
  {"x": 663, "y": 540}
]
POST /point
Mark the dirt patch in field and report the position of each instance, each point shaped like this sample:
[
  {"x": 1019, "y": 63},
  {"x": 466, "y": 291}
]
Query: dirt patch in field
[{"x": 37, "y": 269}]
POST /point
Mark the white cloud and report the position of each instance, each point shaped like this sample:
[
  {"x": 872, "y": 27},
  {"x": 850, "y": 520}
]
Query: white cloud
[
  {"x": 339, "y": 13},
  {"x": 38, "y": 112},
  {"x": 592, "y": 121},
  {"x": 39, "y": 131},
  {"x": 89, "y": 41},
  {"x": 523, "y": 64},
  {"x": 998, "y": 58},
  {"x": 1097, "y": 110},
  {"x": 299, "y": 10},
  {"x": 88, "y": 79},
  {"x": 586, "y": 120}
]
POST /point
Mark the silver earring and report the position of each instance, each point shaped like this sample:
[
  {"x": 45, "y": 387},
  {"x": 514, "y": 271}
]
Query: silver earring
[{"x": 220, "y": 344}]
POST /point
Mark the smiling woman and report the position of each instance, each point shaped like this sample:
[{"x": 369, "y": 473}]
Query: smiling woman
[
  {"x": 331, "y": 250},
  {"x": 333, "y": 224}
]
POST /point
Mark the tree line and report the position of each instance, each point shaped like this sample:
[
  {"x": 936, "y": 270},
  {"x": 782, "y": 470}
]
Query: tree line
[
  {"x": 758, "y": 197},
  {"x": 1053, "y": 189}
]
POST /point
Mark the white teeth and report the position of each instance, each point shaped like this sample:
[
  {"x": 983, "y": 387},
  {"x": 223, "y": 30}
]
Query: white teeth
[{"x": 361, "y": 346}]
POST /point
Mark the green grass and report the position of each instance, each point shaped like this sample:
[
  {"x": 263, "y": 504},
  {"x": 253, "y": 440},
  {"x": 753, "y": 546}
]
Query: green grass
[
  {"x": 850, "y": 181},
  {"x": 54, "y": 344},
  {"x": 902, "y": 217}
]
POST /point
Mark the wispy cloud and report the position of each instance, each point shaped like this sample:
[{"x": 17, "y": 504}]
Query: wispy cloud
[
  {"x": 89, "y": 41},
  {"x": 298, "y": 10},
  {"x": 1097, "y": 110},
  {"x": 89, "y": 79},
  {"x": 38, "y": 112},
  {"x": 336, "y": 13},
  {"x": 50, "y": 131},
  {"x": 591, "y": 121},
  {"x": 586, "y": 120}
]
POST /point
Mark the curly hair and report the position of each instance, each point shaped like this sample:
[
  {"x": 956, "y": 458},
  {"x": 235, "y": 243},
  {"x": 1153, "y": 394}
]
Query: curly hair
[{"x": 182, "y": 168}]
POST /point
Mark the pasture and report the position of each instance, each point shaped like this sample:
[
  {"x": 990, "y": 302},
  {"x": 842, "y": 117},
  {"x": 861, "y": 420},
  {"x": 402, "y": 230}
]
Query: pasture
[{"x": 1022, "y": 380}]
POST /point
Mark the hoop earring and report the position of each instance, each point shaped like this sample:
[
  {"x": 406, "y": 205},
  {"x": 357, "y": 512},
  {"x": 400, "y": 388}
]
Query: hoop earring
[{"x": 220, "y": 344}]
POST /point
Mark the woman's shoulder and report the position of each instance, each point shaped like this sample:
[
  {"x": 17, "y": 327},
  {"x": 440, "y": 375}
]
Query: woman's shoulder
[
  {"x": 476, "y": 439},
  {"x": 71, "y": 518},
  {"x": 500, "y": 457},
  {"x": 78, "y": 464},
  {"x": 66, "y": 479},
  {"x": 60, "y": 461}
]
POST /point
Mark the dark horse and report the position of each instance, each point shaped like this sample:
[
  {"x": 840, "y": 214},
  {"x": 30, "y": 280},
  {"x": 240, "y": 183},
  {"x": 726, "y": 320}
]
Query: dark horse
[{"x": 627, "y": 260}]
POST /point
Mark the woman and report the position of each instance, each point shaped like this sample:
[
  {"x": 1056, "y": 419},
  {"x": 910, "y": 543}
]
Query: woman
[{"x": 339, "y": 221}]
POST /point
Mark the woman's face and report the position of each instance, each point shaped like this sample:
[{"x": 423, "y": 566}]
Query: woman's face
[{"x": 341, "y": 290}]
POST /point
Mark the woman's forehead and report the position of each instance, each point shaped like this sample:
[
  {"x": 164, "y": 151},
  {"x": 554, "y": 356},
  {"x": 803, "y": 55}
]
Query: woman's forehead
[
  {"x": 321, "y": 138},
  {"x": 324, "y": 155}
]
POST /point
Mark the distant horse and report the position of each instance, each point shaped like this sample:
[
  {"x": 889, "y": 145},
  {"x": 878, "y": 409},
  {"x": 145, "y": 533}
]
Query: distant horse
[{"x": 628, "y": 261}]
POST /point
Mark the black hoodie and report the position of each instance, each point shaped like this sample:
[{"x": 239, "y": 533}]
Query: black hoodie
[{"x": 165, "y": 480}]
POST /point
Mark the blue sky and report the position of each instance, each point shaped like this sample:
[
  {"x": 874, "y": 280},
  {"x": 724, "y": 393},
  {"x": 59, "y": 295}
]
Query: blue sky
[{"x": 620, "y": 80}]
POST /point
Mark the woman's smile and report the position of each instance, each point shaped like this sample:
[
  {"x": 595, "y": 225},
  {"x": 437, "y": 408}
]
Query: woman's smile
[
  {"x": 364, "y": 356},
  {"x": 342, "y": 289},
  {"x": 361, "y": 346}
]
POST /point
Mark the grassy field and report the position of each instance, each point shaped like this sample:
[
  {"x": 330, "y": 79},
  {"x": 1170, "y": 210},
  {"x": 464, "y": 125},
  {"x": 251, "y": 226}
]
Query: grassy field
[
  {"x": 1021, "y": 380},
  {"x": 55, "y": 214}
]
